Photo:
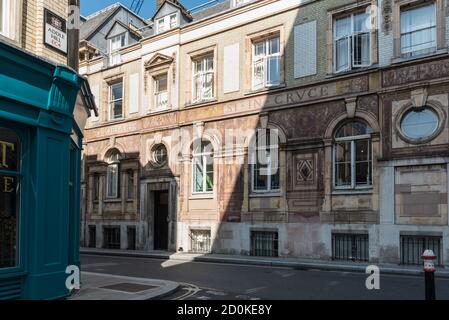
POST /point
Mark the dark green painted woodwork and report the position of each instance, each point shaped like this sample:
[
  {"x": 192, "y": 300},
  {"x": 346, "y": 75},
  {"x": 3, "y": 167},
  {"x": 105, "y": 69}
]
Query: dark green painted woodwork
[{"x": 37, "y": 99}]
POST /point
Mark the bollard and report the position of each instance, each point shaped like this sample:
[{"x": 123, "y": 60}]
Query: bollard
[{"x": 429, "y": 273}]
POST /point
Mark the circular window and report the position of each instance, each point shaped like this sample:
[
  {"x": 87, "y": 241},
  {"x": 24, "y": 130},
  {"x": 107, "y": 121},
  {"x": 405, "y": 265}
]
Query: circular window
[
  {"x": 419, "y": 124},
  {"x": 159, "y": 155}
]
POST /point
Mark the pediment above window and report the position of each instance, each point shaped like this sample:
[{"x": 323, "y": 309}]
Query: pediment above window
[{"x": 158, "y": 60}]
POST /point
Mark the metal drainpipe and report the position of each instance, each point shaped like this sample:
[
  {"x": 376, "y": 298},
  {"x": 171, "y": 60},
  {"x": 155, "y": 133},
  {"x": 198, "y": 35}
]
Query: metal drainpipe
[{"x": 73, "y": 34}]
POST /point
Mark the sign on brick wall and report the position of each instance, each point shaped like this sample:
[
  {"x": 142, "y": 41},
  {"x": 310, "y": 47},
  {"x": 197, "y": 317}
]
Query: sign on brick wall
[{"x": 55, "y": 31}]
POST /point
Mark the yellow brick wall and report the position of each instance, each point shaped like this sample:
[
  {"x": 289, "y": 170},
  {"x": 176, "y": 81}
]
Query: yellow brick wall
[{"x": 33, "y": 30}]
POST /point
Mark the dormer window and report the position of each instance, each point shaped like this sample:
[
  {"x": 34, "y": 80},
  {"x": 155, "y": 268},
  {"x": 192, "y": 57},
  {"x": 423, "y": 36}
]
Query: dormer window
[
  {"x": 168, "y": 22},
  {"x": 173, "y": 21},
  {"x": 115, "y": 44},
  {"x": 237, "y": 3},
  {"x": 161, "y": 25}
]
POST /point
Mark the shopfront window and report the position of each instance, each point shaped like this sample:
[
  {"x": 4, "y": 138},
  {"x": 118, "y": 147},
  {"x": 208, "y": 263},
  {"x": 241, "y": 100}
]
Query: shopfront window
[{"x": 9, "y": 197}]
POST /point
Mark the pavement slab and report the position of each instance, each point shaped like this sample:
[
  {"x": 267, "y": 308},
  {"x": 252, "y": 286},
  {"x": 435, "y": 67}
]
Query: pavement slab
[{"x": 99, "y": 286}]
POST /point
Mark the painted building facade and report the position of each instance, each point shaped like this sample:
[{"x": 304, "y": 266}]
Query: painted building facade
[{"x": 346, "y": 101}]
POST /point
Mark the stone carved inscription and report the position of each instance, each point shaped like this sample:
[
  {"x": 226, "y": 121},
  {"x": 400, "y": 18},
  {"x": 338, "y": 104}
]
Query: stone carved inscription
[
  {"x": 298, "y": 96},
  {"x": 425, "y": 71},
  {"x": 111, "y": 130},
  {"x": 160, "y": 120}
]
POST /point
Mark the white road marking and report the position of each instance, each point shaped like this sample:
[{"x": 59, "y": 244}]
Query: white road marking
[
  {"x": 216, "y": 293},
  {"x": 190, "y": 289}
]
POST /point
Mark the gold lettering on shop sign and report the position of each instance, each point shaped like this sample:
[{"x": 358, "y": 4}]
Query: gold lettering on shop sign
[
  {"x": 8, "y": 182},
  {"x": 3, "y": 146}
]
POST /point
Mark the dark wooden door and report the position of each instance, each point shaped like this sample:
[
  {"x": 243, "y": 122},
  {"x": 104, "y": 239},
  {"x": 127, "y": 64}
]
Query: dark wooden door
[{"x": 161, "y": 220}]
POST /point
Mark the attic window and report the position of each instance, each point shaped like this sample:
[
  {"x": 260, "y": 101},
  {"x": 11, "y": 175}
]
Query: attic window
[
  {"x": 115, "y": 44},
  {"x": 161, "y": 25},
  {"x": 237, "y": 3},
  {"x": 166, "y": 23},
  {"x": 173, "y": 21}
]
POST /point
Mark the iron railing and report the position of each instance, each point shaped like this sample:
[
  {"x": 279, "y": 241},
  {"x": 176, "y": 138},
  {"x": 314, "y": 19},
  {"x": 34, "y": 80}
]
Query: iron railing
[
  {"x": 92, "y": 237},
  {"x": 200, "y": 241},
  {"x": 111, "y": 236},
  {"x": 412, "y": 248},
  {"x": 264, "y": 243},
  {"x": 131, "y": 238}
]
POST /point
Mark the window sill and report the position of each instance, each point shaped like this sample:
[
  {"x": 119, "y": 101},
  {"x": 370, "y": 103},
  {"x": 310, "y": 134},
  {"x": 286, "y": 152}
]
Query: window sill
[
  {"x": 265, "y": 89},
  {"x": 112, "y": 200},
  {"x": 267, "y": 194},
  {"x": 199, "y": 196},
  {"x": 350, "y": 72},
  {"x": 116, "y": 119},
  {"x": 417, "y": 57},
  {"x": 158, "y": 111},
  {"x": 356, "y": 191},
  {"x": 200, "y": 103}
]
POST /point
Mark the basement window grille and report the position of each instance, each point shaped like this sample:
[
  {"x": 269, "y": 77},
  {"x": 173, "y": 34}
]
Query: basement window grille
[
  {"x": 350, "y": 247},
  {"x": 111, "y": 237},
  {"x": 200, "y": 241},
  {"x": 264, "y": 243},
  {"x": 131, "y": 238},
  {"x": 412, "y": 248},
  {"x": 92, "y": 236}
]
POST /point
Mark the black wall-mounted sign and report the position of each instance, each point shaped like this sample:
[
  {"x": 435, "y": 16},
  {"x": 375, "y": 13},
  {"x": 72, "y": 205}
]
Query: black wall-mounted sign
[{"x": 55, "y": 32}]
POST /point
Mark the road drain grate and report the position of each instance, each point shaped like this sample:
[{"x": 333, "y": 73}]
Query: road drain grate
[{"x": 129, "y": 287}]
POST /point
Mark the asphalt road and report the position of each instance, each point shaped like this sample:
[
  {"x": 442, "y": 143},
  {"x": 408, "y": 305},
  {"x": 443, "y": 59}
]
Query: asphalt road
[{"x": 214, "y": 281}]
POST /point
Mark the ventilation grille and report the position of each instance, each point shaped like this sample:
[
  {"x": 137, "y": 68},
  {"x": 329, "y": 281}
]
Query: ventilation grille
[{"x": 10, "y": 289}]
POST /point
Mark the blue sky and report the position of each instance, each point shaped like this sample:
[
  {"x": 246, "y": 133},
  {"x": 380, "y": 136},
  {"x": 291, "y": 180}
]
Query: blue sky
[{"x": 90, "y": 6}]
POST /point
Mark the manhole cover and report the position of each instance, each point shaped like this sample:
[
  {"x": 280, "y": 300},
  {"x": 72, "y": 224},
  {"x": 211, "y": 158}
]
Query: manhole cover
[{"x": 129, "y": 287}]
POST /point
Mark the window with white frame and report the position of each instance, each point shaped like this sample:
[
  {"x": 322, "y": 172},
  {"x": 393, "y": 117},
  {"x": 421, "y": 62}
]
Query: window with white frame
[
  {"x": 265, "y": 171},
  {"x": 352, "y": 41},
  {"x": 161, "y": 25},
  {"x": 115, "y": 44},
  {"x": 203, "y": 167},
  {"x": 173, "y": 21},
  {"x": 203, "y": 78},
  {"x": 237, "y": 3},
  {"x": 166, "y": 23},
  {"x": 266, "y": 63},
  {"x": 418, "y": 30},
  {"x": 116, "y": 101},
  {"x": 353, "y": 156},
  {"x": 161, "y": 91},
  {"x": 113, "y": 175}
]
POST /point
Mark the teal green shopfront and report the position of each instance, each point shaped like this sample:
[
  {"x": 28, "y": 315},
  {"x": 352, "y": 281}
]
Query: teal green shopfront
[{"x": 40, "y": 154}]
